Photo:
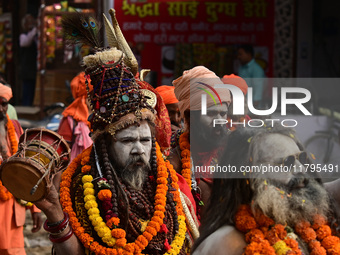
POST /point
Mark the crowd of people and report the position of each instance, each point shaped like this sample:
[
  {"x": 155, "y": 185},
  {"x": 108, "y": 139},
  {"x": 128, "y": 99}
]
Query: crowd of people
[{"x": 132, "y": 186}]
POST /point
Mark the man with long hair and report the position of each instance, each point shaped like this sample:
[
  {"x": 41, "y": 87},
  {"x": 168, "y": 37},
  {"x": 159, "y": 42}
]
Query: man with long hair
[
  {"x": 259, "y": 211},
  {"x": 119, "y": 196}
]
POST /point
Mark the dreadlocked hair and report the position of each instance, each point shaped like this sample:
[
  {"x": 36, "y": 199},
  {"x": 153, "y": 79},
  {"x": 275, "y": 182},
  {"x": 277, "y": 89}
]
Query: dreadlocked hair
[{"x": 134, "y": 207}]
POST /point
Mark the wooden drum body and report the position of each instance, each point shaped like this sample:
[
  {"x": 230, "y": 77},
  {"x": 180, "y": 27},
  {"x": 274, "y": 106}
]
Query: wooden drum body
[{"x": 28, "y": 174}]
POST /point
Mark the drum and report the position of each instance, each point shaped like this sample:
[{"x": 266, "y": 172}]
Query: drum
[{"x": 29, "y": 173}]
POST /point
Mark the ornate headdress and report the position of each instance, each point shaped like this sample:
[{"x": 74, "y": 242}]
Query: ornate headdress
[{"x": 119, "y": 99}]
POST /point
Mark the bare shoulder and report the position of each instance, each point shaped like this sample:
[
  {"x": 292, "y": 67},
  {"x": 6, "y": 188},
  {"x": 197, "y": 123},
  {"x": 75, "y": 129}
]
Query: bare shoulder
[
  {"x": 175, "y": 159},
  {"x": 226, "y": 240}
]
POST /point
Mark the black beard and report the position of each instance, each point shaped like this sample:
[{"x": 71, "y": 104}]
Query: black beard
[{"x": 207, "y": 138}]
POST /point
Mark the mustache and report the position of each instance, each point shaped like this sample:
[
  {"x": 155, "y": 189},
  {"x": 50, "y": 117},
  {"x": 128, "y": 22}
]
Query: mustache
[
  {"x": 136, "y": 159},
  {"x": 297, "y": 180}
]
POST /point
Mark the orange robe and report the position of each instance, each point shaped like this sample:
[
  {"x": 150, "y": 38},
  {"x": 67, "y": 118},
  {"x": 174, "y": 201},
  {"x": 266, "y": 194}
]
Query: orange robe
[{"x": 12, "y": 220}]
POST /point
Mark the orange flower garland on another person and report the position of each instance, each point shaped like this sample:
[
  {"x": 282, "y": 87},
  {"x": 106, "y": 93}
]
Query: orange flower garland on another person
[
  {"x": 4, "y": 193},
  {"x": 12, "y": 136},
  {"x": 317, "y": 236},
  {"x": 184, "y": 145}
]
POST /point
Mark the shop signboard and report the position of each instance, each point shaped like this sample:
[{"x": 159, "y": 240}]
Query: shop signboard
[{"x": 171, "y": 36}]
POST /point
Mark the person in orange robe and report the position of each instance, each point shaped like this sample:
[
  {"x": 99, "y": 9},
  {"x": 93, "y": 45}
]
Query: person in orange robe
[
  {"x": 168, "y": 95},
  {"x": 12, "y": 213},
  {"x": 73, "y": 127},
  {"x": 241, "y": 84}
]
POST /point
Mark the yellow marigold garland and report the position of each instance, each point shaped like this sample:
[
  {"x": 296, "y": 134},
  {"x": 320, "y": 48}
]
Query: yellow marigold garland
[
  {"x": 184, "y": 145},
  {"x": 152, "y": 227},
  {"x": 4, "y": 193}
]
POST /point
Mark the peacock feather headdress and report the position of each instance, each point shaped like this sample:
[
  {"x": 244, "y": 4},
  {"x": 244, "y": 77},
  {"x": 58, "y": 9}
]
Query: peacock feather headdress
[{"x": 117, "y": 100}]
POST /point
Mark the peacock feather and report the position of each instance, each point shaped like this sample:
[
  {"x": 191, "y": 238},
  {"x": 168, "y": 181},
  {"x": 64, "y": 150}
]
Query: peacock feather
[{"x": 81, "y": 28}]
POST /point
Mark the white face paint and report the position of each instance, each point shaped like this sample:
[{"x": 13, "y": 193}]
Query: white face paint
[
  {"x": 271, "y": 151},
  {"x": 132, "y": 141}
]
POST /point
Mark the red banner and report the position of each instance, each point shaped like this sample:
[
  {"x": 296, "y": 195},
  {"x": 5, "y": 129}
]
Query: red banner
[{"x": 171, "y": 36}]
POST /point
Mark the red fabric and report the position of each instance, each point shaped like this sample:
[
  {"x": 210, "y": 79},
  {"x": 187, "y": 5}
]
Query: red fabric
[
  {"x": 236, "y": 81},
  {"x": 167, "y": 93},
  {"x": 183, "y": 186},
  {"x": 162, "y": 121},
  {"x": 65, "y": 130},
  {"x": 17, "y": 127}
]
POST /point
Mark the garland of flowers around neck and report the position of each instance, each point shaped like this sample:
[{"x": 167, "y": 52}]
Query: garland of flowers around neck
[
  {"x": 265, "y": 237},
  {"x": 109, "y": 232},
  {"x": 184, "y": 145},
  {"x": 4, "y": 193}
]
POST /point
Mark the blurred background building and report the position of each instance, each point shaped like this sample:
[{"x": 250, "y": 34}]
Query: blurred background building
[{"x": 291, "y": 39}]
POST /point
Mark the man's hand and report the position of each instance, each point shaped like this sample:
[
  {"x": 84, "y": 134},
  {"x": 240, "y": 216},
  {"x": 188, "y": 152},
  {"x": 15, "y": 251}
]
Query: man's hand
[
  {"x": 37, "y": 221},
  {"x": 50, "y": 205}
]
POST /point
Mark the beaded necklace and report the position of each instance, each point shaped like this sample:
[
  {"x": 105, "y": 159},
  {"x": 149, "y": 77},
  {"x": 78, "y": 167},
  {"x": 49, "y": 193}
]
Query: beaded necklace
[{"x": 116, "y": 238}]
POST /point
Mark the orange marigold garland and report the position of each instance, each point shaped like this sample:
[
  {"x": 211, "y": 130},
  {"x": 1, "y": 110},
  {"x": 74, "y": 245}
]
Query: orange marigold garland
[
  {"x": 277, "y": 240},
  {"x": 12, "y": 136},
  {"x": 4, "y": 193},
  {"x": 184, "y": 145},
  {"x": 152, "y": 227}
]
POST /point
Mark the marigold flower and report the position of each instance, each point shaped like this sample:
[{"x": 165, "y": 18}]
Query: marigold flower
[
  {"x": 89, "y": 191},
  {"x": 254, "y": 235},
  {"x": 318, "y": 221},
  {"x": 279, "y": 230},
  {"x": 319, "y": 251},
  {"x": 314, "y": 244},
  {"x": 121, "y": 242},
  {"x": 93, "y": 211},
  {"x": 245, "y": 223},
  {"x": 85, "y": 169},
  {"x": 118, "y": 233},
  {"x": 323, "y": 232},
  {"x": 104, "y": 194},
  {"x": 264, "y": 221},
  {"x": 308, "y": 235},
  {"x": 114, "y": 221},
  {"x": 281, "y": 248},
  {"x": 87, "y": 178},
  {"x": 291, "y": 243},
  {"x": 301, "y": 226},
  {"x": 91, "y": 204},
  {"x": 330, "y": 241},
  {"x": 335, "y": 250}
]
